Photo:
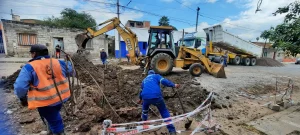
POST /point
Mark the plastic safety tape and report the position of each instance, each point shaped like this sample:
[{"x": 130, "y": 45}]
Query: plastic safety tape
[{"x": 170, "y": 118}]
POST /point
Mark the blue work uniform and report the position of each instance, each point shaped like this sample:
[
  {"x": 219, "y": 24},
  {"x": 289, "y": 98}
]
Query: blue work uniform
[
  {"x": 151, "y": 95},
  {"x": 28, "y": 76},
  {"x": 225, "y": 56}
]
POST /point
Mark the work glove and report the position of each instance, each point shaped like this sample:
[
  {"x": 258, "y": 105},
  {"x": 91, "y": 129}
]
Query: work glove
[
  {"x": 24, "y": 101},
  {"x": 140, "y": 102},
  {"x": 177, "y": 85}
]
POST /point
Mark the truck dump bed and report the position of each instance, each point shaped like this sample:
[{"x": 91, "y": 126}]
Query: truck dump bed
[{"x": 232, "y": 43}]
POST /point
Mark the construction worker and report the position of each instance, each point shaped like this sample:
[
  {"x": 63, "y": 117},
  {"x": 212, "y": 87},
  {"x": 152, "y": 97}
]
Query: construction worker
[
  {"x": 103, "y": 56},
  {"x": 225, "y": 56},
  {"x": 57, "y": 50},
  {"x": 151, "y": 95},
  {"x": 35, "y": 86}
]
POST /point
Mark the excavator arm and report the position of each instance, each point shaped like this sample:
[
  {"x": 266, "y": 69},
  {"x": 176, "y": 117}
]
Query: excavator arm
[{"x": 128, "y": 36}]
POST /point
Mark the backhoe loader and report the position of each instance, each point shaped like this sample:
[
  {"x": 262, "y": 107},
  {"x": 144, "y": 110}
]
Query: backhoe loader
[{"x": 160, "y": 54}]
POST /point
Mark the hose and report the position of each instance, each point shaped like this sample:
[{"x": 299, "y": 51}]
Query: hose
[{"x": 56, "y": 88}]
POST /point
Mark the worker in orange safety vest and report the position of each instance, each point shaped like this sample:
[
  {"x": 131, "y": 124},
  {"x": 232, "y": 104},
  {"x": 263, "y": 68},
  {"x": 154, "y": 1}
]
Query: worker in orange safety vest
[{"x": 35, "y": 86}]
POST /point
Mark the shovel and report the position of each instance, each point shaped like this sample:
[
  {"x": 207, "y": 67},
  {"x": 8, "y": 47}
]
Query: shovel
[{"x": 189, "y": 122}]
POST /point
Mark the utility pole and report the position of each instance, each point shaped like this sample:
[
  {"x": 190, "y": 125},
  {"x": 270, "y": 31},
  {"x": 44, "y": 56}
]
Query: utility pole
[
  {"x": 197, "y": 18},
  {"x": 119, "y": 38}
]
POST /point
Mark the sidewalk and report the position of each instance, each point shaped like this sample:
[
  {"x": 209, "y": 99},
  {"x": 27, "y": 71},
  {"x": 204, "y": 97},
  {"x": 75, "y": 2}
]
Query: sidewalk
[{"x": 13, "y": 60}]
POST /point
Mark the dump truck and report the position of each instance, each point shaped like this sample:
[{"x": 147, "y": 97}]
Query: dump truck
[{"x": 239, "y": 51}]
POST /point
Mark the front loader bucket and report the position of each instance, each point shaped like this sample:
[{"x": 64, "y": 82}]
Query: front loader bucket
[
  {"x": 217, "y": 70},
  {"x": 81, "y": 40}
]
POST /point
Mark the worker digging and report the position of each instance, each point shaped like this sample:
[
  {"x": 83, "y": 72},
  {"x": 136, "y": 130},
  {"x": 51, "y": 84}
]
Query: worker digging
[
  {"x": 151, "y": 95},
  {"x": 42, "y": 85}
]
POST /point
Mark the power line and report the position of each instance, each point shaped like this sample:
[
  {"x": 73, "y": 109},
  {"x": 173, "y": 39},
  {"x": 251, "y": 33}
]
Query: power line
[
  {"x": 154, "y": 14},
  {"x": 185, "y": 5},
  {"x": 230, "y": 23}
]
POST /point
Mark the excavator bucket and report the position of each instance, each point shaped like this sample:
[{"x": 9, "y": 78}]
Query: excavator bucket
[
  {"x": 81, "y": 40},
  {"x": 217, "y": 70}
]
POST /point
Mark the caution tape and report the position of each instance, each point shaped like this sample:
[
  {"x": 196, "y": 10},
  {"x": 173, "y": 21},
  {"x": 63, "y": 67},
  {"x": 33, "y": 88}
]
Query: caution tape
[{"x": 143, "y": 126}]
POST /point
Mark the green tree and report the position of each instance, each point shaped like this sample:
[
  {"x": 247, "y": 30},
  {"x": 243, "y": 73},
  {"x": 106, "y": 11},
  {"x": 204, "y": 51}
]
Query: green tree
[
  {"x": 286, "y": 36},
  {"x": 257, "y": 38},
  {"x": 164, "y": 21},
  {"x": 71, "y": 19}
]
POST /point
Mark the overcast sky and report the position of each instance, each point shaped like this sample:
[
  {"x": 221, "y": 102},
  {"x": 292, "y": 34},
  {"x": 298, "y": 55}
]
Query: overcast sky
[{"x": 236, "y": 16}]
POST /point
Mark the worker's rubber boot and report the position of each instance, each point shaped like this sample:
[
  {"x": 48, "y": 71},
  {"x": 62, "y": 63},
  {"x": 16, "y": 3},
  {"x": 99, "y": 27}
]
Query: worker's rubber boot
[{"x": 173, "y": 133}]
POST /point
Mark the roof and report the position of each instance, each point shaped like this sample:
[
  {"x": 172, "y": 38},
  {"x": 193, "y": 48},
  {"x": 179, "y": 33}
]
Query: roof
[
  {"x": 161, "y": 27},
  {"x": 262, "y": 44}
]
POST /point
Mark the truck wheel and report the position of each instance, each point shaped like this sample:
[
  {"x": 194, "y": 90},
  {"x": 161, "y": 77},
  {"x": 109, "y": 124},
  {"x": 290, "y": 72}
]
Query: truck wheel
[
  {"x": 253, "y": 62},
  {"x": 162, "y": 63},
  {"x": 196, "y": 69},
  {"x": 237, "y": 60},
  {"x": 246, "y": 61},
  {"x": 221, "y": 60}
]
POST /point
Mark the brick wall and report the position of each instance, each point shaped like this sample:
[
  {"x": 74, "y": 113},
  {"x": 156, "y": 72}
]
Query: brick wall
[{"x": 45, "y": 35}]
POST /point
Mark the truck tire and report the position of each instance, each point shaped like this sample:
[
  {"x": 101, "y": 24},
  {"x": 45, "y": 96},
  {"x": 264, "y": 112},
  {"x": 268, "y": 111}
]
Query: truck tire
[
  {"x": 246, "y": 61},
  {"x": 221, "y": 60},
  {"x": 253, "y": 62},
  {"x": 196, "y": 69},
  {"x": 162, "y": 63},
  {"x": 237, "y": 60}
]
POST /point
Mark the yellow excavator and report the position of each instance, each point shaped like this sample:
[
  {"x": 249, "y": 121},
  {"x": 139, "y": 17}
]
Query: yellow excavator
[{"x": 161, "y": 53}]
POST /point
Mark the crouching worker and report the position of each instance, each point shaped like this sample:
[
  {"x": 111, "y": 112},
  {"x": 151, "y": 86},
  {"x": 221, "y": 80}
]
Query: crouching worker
[
  {"x": 151, "y": 95},
  {"x": 35, "y": 87}
]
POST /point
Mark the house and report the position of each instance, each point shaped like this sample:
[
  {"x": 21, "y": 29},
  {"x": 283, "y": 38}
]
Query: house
[
  {"x": 270, "y": 52},
  {"x": 138, "y": 24},
  {"x": 142, "y": 34},
  {"x": 19, "y": 36}
]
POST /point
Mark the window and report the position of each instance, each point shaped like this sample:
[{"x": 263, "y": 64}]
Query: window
[
  {"x": 131, "y": 24},
  {"x": 139, "y": 23},
  {"x": 187, "y": 42},
  {"x": 27, "y": 39}
]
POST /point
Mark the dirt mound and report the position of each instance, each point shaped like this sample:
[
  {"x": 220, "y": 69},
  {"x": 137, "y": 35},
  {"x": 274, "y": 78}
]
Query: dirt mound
[
  {"x": 124, "y": 63},
  {"x": 122, "y": 87},
  {"x": 8, "y": 83},
  {"x": 268, "y": 62},
  {"x": 88, "y": 108}
]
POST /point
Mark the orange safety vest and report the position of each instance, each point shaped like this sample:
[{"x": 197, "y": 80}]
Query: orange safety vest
[{"x": 45, "y": 93}]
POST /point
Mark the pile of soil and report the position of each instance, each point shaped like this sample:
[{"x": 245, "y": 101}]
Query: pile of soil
[
  {"x": 122, "y": 87},
  {"x": 268, "y": 62},
  {"x": 124, "y": 63},
  {"x": 87, "y": 108},
  {"x": 8, "y": 83}
]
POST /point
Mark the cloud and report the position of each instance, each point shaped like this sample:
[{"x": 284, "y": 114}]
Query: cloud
[
  {"x": 248, "y": 25},
  {"x": 211, "y": 1},
  {"x": 37, "y": 9},
  {"x": 199, "y": 28},
  {"x": 192, "y": 2}
]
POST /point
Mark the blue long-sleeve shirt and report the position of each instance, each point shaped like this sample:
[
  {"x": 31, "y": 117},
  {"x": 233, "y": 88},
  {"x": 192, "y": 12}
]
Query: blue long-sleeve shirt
[
  {"x": 151, "y": 86},
  {"x": 28, "y": 76}
]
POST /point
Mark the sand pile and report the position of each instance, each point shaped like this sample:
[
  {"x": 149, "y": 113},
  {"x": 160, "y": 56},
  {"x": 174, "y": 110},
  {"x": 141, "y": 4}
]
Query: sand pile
[{"x": 268, "y": 62}]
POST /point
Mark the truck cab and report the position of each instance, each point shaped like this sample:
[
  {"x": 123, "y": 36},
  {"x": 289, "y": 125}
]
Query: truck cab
[{"x": 194, "y": 40}]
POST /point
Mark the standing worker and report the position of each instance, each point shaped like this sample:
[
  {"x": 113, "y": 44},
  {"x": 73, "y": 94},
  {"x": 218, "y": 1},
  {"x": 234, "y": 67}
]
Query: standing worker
[
  {"x": 225, "y": 56},
  {"x": 151, "y": 95},
  {"x": 35, "y": 87},
  {"x": 128, "y": 57},
  {"x": 103, "y": 56},
  {"x": 57, "y": 50}
]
